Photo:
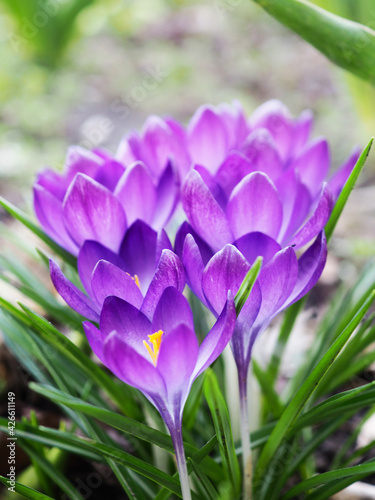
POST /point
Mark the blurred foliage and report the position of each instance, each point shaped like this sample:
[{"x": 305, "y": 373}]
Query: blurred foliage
[
  {"x": 361, "y": 11},
  {"x": 44, "y": 27}
]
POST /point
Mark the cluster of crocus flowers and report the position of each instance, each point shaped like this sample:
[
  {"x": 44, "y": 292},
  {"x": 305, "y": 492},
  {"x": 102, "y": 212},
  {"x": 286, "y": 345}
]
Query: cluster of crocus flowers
[{"x": 235, "y": 189}]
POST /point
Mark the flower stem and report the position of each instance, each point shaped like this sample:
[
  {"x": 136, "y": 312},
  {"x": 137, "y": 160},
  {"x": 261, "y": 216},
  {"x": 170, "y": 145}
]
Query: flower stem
[
  {"x": 176, "y": 435},
  {"x": 245, "y": 436}
]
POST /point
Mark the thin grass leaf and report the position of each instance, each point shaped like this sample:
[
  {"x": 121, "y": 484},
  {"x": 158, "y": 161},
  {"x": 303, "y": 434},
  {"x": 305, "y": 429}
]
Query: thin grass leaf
[
  {"x": 122, "y": 423},
  {"x": 348, "y": 44},
  {"x": 51, "y": 471},
  {"x": 25, "y": 491},
  {"x": 339, "y": 457},
  {"x": 220, "y": 417},
  {"x": 206, "y": 490},
  {"x": 119, "y": 393},
  {"x": 362, "y": 470},
  {"x": 349, "y": 185},
  {"x": 266, "y": 385},
  {"x": 26, "y": 221},
  {"x": 94, "y": 450},
  {"x": 247, "y": 284},
  {"x": 164, "y": 494},
  {"x": 336, "y": 405},
  {"x": 289, "y": 320},
  {"x": 296, "y": 405}
]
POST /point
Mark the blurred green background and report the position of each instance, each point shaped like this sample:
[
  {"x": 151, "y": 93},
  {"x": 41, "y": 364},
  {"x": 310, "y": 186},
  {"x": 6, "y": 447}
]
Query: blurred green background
[{"x": 87, "y": 71}]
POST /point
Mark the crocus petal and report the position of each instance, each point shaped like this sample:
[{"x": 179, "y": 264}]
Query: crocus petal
[
  {"x": 131, "y": 367},
  {"x": 317, "y": 221},
  {"x": 76, "y": 299},
  {"x": 215, "y": 188},
  {"x": 172, "y": 310},
  {"x": 53, "y": 182},
  {"x": 254, "y": 205},
  {"x": 136, "y": 193},
  {"x": 162, "y": 243},
  {"x": 253, "y": 245},
  {"x": 167, "y": 194},
  {"x": 277, "y": 280},
  {"x": 302, "y": 130},
  {"x": 244, "y": 332},
  {"x": 207, "y": 138},
  {"x": 108, "y": 279},
  {"x": 89, "y": 255},
  {"x": 204, "y": 213},
  {"x": 218, "y": 337},
  {"x": 81, "y": 160},
  {"x": 138, "y": 252},
  {"x": 275, "y": 117},
  {"x": 261, "y": 151},
  {"x": 130, "y": 323},
  {"x": 95, "y": 339},
  {"x": 310, "y": 267},
  {"x": 194, "y": 266},
  {"x": 296, "y": 201},
  {"x": 89, "y": 209},
  {"x": 48, "y": 209},
  {"x": 177, "y": 359},
  {"x": 161, "y": 143},
  {"x": 234, "y": 120},
  {"x": 170, "y": 272},
  {"x": 109, "y": 174},
  {"x": 234, "y": 168},
  {"x": 183, "y": 231},
  {"x": 225, "y": 271},
  {"x": 340, "y": 177},
  {"x": 312, "y": 164}
]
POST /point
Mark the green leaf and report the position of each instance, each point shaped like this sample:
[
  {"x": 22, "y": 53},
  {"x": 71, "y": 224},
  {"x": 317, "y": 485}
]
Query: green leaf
[
  {"x": 204, "y": 483},
  {"x": 326, "y": 477},
  {"x": 94, "y": 450},
  {"x": 346, "y": 43},
  {"x": 51, "y": 472},
  {"x": 289, "y": 320},
  {"x": 304, "y": 393},
  {"x": 119, "y": 393},
  {"x": 266, "y": 385},
  {"x": 247, "y": 284},
  {"x": 25, "y": 491},
  {"x": 122, "y": 423},
  {"x": 336, "y": 406},
  {"x": 220, "y": 417},
  {"x": 347, "y": 189},
  {"x": 26, "y": 221}
]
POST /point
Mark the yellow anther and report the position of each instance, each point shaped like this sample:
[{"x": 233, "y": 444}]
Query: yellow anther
[
  {"x": 135, "y": 279},
  {"x": 153, "y": 350}
]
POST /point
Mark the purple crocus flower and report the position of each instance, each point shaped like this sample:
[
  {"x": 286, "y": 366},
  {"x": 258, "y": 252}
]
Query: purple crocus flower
[
  {"x": 289, "y": 203},
  {"x": 96, "y": 192},
  {"x": 144, "y": 267},
  {"x": 160, "y": 355},
  {"x": 283, "y": 280}
]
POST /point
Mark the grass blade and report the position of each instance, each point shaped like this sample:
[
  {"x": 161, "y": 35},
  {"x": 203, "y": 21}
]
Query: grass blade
[
  {"x": 25, "y": 491},
  {"x": 304, "y": 393},
  {"x": 326, "y": 477},
  {"x": 347, "y": 189},
  {"x": 220, "y": 417},
  {"x": 26, "y": 221}
]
